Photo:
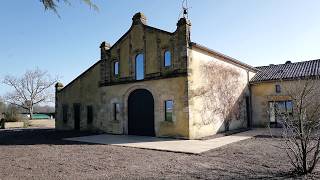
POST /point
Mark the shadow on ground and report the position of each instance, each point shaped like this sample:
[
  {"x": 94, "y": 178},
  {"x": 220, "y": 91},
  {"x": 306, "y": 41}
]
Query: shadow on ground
[
  {"x": 40, "y": 136},
  {"x": 47, "y": 157}
]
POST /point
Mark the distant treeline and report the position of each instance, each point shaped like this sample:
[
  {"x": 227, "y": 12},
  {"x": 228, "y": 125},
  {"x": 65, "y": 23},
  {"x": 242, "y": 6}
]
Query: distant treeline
[{"x": 13, "y": 113}]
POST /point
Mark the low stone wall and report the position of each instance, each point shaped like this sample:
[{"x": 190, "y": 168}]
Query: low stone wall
[
  {"x": 9, "y": 125},
  {"x": 44, "y": 123}
]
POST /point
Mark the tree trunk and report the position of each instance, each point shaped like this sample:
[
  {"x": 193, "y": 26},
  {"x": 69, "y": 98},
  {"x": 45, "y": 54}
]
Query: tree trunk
[{"x": 30, "y": 113}]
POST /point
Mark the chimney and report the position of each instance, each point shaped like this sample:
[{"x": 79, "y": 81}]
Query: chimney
[
  {"x": 139, "y": 18},
  {"x": 58, "y": 86},
  {"x": 288, "y": 62},
  {"x": 104, "y": 45},
  {"x": 183, "y": 21}
]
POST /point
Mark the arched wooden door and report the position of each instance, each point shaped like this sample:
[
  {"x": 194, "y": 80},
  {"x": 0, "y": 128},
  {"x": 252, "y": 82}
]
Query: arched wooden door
[{"x": 141, "y": 113}]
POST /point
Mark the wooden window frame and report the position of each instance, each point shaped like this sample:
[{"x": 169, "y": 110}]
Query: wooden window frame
[
  {"x": 274, "y": 106},
  {"x": 143, "y": 66},
  {"x": 114, "y": 68},
  {"x": 278, "y": 88},
  {"x": 166, "y": 112},
  {"x": 164, "y": 58},
  {"x": 116, "y": 107}
]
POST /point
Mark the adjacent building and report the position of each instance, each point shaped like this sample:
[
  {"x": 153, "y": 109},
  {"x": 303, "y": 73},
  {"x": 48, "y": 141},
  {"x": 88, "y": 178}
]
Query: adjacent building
[{"x": 272, "y": 84}]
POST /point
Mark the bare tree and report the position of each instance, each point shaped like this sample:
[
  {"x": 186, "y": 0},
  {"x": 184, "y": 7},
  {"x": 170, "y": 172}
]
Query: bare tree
[
  {"x": 2, "y": 106},
  {"x": 31, "y": 89},
  {"x": 301, "y": 127},
  {"x": 2, "y": 113},
  {"x": 220, "y": 94}
]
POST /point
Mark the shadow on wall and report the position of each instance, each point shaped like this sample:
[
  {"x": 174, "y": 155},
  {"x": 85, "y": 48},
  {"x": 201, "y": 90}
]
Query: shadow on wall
[{"x": 238, "y": 116}]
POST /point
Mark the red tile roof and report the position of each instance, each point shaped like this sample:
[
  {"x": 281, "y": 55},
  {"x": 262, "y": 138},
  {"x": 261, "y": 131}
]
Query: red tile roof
[{"x": 288, "y": 71}]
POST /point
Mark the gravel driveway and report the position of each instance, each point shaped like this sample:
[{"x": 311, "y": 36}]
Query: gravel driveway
[{"x": 41, "y": 154}]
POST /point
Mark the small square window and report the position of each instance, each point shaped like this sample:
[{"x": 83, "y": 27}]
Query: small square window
[
  {"x": 168, "y": 110},
  {"x": 289, "y": 106},
  {"x": 278, "y": 88},
  {"x": 116, "y": 111},
  {"x": 278, "y": 109}
]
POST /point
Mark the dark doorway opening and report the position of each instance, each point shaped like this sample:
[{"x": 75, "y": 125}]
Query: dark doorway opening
[
  {"x": 141, "y": 113},
  {"x": 76, "y": 108}
]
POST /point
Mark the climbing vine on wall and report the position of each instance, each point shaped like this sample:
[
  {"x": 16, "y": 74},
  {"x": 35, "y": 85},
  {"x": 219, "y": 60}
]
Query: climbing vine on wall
[{"x": 221, "y": 94}]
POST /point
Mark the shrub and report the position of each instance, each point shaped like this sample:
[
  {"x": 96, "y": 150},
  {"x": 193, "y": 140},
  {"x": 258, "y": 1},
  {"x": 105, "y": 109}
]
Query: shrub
[
  {"x": 12, "y": 115},
  {"x": 12, "y": 118}
]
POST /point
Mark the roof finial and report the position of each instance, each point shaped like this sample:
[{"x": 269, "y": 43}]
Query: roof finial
[{"x": 185, "y": 9}]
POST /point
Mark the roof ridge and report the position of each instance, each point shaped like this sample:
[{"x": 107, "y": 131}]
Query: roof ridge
[
  {"x": 299, "y": 62},
  {"x": 217, "y": 53},
  {"x": 302, "y": 69}
]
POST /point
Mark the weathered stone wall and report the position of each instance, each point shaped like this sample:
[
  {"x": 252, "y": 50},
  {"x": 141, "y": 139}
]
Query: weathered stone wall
[
  {"x": 265, "y": 92},
  {"x": 217, "y": 91},
  {"x": 163, "y": 89},
  {"x": 151, "y": 42},
  {"x": 84, "y": 90}
]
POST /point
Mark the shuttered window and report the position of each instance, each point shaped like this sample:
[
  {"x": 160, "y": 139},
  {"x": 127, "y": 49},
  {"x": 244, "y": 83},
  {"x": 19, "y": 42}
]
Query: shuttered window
[
  {"x": 65, "y": 109},
  {"x": 89, "y": 114}
]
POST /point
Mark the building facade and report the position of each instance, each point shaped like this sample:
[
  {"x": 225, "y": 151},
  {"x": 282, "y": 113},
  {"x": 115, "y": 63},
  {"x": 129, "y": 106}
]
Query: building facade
[
  {"x": 157, "y": 83},
  {"x": 272, "y": 86}
]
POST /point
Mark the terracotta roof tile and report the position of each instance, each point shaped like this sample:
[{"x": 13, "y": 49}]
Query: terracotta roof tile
[{"x": 288, "y": 71}]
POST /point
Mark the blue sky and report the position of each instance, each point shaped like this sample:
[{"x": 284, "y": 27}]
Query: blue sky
[{"x": 254, "y": 31}]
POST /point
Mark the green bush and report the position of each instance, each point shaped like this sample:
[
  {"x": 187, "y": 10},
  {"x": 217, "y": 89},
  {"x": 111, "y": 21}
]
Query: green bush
[{"x": 12, "y": 115}]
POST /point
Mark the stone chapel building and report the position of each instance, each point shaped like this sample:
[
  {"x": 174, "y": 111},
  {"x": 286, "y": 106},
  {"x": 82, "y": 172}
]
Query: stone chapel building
[{"x": 157, "y": 83}]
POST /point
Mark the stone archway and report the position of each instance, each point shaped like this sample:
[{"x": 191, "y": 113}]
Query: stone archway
[{"x": 141, "y": 113}]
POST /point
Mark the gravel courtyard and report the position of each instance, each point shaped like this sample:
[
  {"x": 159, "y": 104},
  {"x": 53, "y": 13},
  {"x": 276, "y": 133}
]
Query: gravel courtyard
[{"x": 41, "y": 154}]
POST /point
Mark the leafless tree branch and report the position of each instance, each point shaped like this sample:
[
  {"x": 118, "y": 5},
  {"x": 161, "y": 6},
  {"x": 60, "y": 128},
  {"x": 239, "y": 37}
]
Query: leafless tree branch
[
  {"x": 31, "y": 89},
  {"x": 301, "y": 128},
  {"x": 53, "y": 4}
]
